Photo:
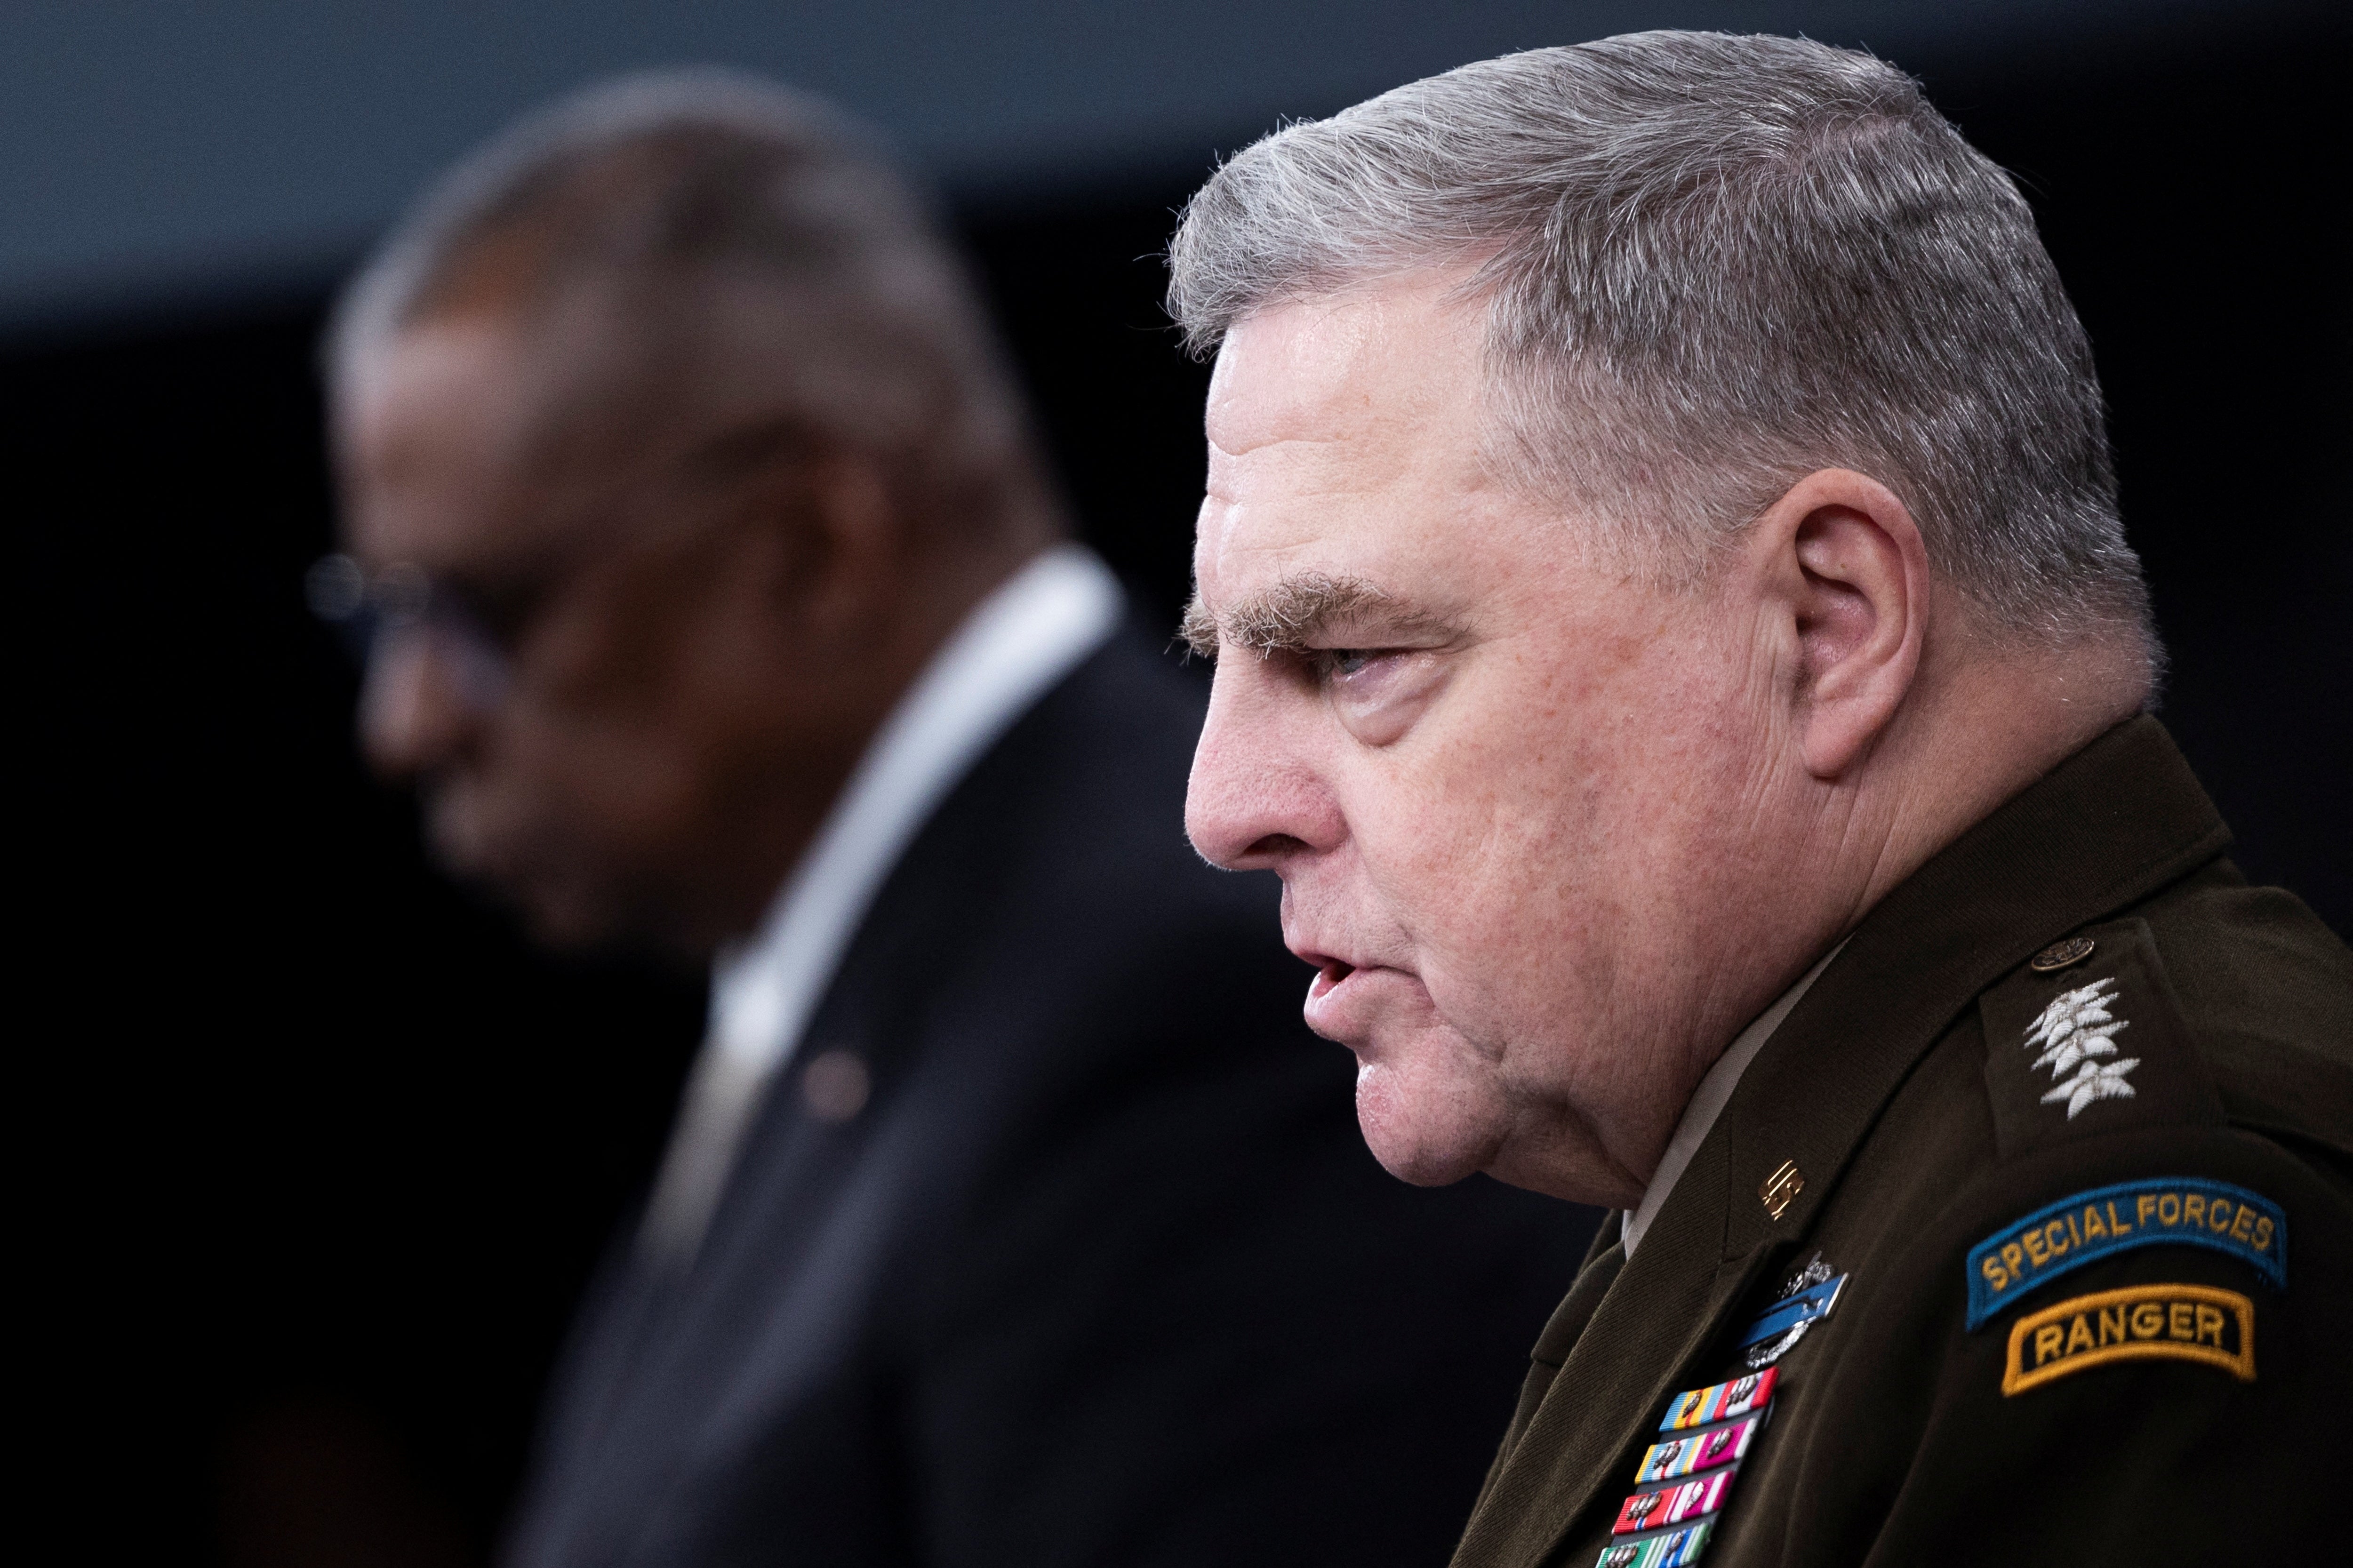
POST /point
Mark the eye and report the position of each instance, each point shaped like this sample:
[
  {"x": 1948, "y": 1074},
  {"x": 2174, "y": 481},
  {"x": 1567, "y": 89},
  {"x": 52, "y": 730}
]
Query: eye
[
  {"x": 1343, "y": 669},
  {"x": 502, "y": 610},
  {"x": 1377, "y": 692}
]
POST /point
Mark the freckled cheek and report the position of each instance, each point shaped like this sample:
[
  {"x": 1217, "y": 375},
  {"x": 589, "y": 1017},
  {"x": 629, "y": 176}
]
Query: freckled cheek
[
  {"x": 1469, "y": 827},
  {"x": 1461, "y": 864}
]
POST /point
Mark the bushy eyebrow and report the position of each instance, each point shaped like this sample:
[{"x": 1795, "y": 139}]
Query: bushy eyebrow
[{"x": 1287, "y": 616}]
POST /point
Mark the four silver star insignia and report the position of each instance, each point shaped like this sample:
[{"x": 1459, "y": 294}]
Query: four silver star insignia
[{"x": 2076, "y": 1027}]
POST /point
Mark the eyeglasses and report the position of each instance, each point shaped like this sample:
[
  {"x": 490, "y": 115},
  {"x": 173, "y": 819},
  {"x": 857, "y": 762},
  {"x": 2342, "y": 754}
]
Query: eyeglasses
[
  {"x": 404, "y": 605},
  {"x": 371, "y": 611}
]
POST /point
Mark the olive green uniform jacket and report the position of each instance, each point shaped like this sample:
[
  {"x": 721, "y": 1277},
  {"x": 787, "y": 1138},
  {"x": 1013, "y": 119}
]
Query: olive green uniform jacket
[{"x": 2147, "y": 1383}]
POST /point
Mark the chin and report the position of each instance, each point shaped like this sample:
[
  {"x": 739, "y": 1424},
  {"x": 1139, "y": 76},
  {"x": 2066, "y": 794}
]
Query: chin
[
  {"x": 560, "y": 913},
  {"x": 579, "y": 918},
  {"x": 559, "y": 909},
  {"x": 1427, "y": 1139}
]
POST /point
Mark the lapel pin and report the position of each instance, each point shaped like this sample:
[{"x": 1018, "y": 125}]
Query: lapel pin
[
  {"x": 2061, "y": 956},
  {"x": 835, "y": 1085}
]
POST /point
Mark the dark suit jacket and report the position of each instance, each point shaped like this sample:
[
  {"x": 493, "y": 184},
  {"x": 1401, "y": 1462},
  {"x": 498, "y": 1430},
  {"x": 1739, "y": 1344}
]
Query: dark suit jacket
[
  {"x": 1100, "y": 1274},
  {"x": 2153, "y": 1374}
]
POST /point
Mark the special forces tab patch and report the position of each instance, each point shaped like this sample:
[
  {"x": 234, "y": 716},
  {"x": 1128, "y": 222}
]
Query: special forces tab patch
[
  {"x": 2177, "y": 1323},
  {"x": 2191, "y": 1211}
]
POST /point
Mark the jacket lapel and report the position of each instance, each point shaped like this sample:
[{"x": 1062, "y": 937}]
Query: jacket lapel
[
  {"x": 2119, "y": 819},
  {"x": 1560, "y": 1335},
  {"x": 1654, "y": 1316}
]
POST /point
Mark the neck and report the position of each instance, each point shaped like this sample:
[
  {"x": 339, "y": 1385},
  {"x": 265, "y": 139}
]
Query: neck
[
  {"x": 1980, "y": 729},
  {"x": 807, "y": 760}
]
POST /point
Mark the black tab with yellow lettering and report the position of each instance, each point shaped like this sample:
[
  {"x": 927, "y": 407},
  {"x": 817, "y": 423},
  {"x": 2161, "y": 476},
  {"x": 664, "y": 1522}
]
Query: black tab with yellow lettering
[{"x": 2194, "y": 1323}]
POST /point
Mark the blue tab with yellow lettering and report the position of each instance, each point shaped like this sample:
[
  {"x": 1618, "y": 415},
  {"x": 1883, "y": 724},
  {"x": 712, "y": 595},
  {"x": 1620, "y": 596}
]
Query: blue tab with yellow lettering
[{"x": 2189, "y": 1211}]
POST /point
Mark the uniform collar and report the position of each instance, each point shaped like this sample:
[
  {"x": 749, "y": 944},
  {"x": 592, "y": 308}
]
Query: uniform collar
[
  {"x": 2112, "y": 824},
  {"x": 1707, "y": 1103}
]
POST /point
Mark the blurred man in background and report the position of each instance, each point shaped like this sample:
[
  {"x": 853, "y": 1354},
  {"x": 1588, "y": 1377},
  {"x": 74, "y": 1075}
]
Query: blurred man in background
[
  {"x": 1677, "y": 644},
  {"x": 723, "y": 606}
]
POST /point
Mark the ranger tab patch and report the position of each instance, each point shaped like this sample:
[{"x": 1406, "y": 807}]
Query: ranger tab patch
[
  {"x": 2177, "y": 1323},
  {"x": 2191, "y": 1211}
]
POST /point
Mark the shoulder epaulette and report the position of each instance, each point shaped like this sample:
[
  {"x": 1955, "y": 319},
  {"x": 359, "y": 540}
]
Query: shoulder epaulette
[{"x": 2088, "y": 1038}]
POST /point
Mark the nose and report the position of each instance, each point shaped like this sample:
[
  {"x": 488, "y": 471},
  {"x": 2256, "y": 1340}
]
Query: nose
[
  {"x": 1257, "y": 799},
  {"x": 417, "y": 711}
]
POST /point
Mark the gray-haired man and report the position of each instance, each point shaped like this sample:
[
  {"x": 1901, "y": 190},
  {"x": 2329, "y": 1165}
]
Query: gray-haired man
[{"x": 1677, "y": 644}]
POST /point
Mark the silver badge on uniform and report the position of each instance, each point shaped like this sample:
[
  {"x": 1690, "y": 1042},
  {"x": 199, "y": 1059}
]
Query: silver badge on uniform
[
  {"x": 2076, "y": 1028},
  {"x": 1804, "y": 1301}
]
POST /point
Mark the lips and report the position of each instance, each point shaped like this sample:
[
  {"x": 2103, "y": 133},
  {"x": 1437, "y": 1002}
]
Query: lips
[
  {"x": 1329, "y": 973},
  {"x": 1328, "y": 1010},
  {"x": 1348, "y": 1002}
]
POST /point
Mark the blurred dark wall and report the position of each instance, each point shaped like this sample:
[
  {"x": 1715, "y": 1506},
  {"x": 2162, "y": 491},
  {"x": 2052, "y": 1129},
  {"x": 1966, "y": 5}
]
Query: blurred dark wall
[{"x": 322, "y": 1154}]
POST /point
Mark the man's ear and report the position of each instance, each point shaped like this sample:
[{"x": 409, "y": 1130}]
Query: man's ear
[
  {"x": 1846, "y": 565},
  {"x": 834, "y": 544}
]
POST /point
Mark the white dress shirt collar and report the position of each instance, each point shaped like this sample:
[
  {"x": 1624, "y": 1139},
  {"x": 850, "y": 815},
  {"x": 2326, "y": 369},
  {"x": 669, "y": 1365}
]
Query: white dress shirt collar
[
  {"x": 1017, "y": 643},
  {"x": 1020, "y": 640}
]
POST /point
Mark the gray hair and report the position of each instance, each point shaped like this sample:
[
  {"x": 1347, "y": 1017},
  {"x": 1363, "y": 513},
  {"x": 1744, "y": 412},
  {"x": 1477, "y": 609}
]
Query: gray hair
[
  {"x": 715, "y": 217},
  {"x": 1711, "y": 264}
]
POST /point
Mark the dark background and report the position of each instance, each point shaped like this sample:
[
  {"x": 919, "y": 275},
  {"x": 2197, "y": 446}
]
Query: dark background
[{"x": 317, "y": 1154}]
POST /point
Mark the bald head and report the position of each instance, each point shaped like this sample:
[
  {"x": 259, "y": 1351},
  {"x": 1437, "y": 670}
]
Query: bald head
[{"x": 707, "y": 248}]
